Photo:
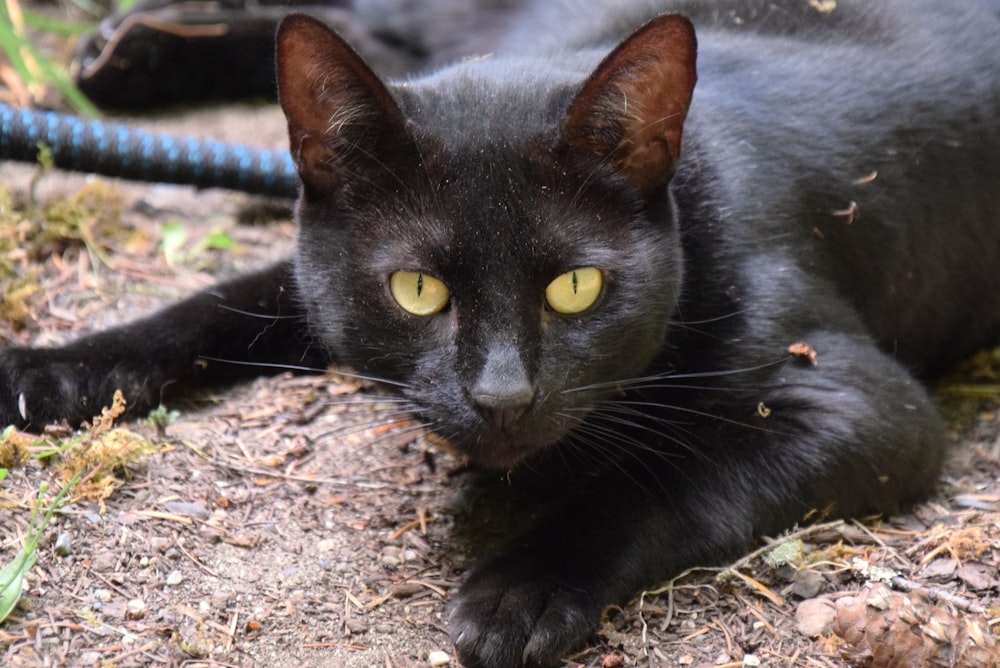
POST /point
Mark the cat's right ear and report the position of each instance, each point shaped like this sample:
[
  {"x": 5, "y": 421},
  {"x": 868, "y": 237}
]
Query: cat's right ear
[{"x": 340, "y": 115}]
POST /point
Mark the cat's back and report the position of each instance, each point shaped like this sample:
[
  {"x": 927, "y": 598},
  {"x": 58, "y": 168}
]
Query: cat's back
[
  {"x": 860, "y": 154},
  {"x": 561, "y": 25}
]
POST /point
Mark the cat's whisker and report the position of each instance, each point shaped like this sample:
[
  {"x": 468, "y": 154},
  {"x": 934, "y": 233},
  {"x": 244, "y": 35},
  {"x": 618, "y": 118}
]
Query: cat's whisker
[
  {"x": 382, "y": 421},
  {"x": 708, "y": 321},
  {"x": 602, "y": 443},
  {"x": 262, "y": 316},
  {"x": 598, "y": 416},
  {"x": 415, "y": 428},
  {"x": 654, "y": 381},
  {"x": 363, "y": 400},
  {"x": 264, "y": 365},
  {"x": 702, "y": 414},
  {"x": 693, "y": 325}
]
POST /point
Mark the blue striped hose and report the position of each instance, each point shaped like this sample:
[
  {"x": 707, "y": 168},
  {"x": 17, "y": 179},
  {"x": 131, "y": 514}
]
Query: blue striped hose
[{"x": 117, "y": 150}]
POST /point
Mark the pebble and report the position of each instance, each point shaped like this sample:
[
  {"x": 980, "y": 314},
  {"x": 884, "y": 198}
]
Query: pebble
[
  {"x": 160, "y": 543},
  {"x": 391, "y": 555},
  {"x": 808, "y": 584},
  {"x": 102, "y": 595},
  {"x": 187, "y": 508},
  {"x": 135, "y": 609},
  {"x": 64, "y": 544},
  {"x": 220, "y": 599},
  {"x": 356, "y": 626},
  {"x": 438, "y": 658},
  {"x": 174, "y": 578}
]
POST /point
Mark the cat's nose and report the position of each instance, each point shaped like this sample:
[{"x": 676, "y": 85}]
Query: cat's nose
[
  {"x": 503, "y": 391},
  {"x": 503, "y": 407}
]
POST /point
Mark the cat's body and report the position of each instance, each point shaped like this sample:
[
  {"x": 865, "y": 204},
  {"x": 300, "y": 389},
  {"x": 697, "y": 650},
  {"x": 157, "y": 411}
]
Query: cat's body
[{"x": 836, "y": 186}]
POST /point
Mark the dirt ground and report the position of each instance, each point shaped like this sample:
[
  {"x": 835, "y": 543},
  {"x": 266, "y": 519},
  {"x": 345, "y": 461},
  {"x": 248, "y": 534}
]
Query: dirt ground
[{"x": 301, "y": 521}]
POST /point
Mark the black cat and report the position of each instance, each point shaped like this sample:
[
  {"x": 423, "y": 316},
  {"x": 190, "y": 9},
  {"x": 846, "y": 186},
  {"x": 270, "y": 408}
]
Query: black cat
[{"x": 701, "y": 308}]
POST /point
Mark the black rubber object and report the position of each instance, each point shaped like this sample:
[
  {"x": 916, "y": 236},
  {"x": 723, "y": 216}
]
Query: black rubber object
[{"x": 117, "y": 150}]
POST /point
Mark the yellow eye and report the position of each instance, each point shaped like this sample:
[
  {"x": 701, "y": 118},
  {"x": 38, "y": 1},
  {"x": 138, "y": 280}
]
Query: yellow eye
[
  {"x": 418, "y": 293},
  {"x": 575, "y": 291}
]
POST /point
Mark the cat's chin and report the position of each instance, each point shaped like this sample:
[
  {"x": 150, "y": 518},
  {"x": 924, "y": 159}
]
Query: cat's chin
[{"x": 500, "y": 451}]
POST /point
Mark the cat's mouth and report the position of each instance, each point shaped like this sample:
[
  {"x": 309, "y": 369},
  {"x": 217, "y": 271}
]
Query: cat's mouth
[{"x": 504, "y": 442}]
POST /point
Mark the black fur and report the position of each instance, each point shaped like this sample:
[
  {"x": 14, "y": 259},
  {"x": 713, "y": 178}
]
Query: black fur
[{"x": 837, "y": 184}]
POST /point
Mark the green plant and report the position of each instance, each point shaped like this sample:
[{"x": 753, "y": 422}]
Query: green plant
[
  {"x": 34, "y": 68},
  {"x": 12, "y": 575}
]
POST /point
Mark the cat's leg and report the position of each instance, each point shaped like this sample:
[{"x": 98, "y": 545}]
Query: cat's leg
[
  {"x": 853, "y": 434},
  {"x": 216, "y": 336}
]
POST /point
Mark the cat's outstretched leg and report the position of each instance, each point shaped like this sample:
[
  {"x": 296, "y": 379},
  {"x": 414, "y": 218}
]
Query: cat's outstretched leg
[
  {"x": 854, "y": 434},
  {"x": 216, "y": 336}
]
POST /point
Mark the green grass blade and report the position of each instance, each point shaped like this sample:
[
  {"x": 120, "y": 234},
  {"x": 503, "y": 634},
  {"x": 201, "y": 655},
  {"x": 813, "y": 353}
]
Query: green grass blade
[
  {"x": 12, "y": 579},
  {"x": 55, "y": 26},
  {"x": 12, "y": 575}
]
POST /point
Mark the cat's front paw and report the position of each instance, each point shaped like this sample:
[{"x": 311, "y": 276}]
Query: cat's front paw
[
  {"x": 38, "y": 388},
  {"x": 507, "y": 617}
]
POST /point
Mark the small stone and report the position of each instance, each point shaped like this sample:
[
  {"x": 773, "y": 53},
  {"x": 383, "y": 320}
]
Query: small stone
[
  {"x": 187, "y": 508},
  {"x": 220, "y": 599},
  {"x": 808, "y": 584},
  {"x": 135, "y": 609},
  {"x": 160, "y": 543},
  {"x": 106, "y": 561},
  {"x": 64, "y": 544},
  {"x": 438, "y": 658},
  {"x": 102, "y": 595},
  {"x": 356, "y": 626},
  {"x": 391, "y": 555},
  {"x": 814, "y": 617},
  {"x": 174, "y": 578}
]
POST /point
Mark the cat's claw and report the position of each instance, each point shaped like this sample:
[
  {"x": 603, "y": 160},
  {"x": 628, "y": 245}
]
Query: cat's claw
[{"x": 38, "y": 387}]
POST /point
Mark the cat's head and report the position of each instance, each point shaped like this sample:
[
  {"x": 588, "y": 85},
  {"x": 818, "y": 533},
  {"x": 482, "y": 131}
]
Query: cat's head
[{"x": 497, "y": 241}]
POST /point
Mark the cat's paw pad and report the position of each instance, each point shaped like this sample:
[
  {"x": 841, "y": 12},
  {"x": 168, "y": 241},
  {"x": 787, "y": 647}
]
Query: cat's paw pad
[{"x": 507, "y": 618}]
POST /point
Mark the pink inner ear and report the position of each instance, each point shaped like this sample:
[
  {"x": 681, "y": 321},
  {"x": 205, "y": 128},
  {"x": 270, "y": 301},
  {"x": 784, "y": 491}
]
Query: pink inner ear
[{"x": 632, "y": 109}]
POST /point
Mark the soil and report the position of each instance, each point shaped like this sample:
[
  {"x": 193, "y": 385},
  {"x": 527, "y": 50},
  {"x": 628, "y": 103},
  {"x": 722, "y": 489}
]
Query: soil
[{"x": 301, "y": 521}]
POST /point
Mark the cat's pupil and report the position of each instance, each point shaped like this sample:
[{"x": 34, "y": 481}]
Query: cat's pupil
[
  {"x": 420, "y": 284},
  {"x": 575, "y": 283}
]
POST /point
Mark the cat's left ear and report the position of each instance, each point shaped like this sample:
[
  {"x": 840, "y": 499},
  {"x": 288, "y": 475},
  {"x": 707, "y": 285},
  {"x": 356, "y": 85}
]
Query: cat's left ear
[{"x": 632, "y": 108}]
